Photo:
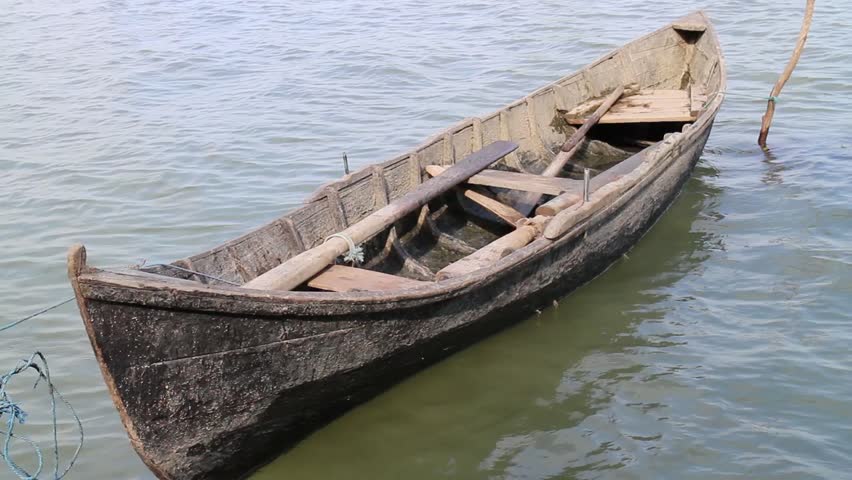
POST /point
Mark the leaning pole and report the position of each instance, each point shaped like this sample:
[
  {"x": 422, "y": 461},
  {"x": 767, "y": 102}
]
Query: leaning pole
[{"x": 791, "y": 65}]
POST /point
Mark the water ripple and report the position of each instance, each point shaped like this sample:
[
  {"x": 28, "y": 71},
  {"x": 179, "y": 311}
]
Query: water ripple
[{"x": 718, "y": 349}]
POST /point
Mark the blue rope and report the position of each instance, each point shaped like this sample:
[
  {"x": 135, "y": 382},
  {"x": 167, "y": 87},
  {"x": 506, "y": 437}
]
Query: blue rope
[
  {"x": 44, "y": 310},
  {"x": 16, "y": 415}
]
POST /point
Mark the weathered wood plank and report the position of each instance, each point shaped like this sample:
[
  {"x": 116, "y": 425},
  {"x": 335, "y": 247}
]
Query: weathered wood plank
[
  {"x": 302, "y": 267},
  {"x": 410, "y": 264},
  {"x": 697, "y": 99},
  {"x": 494, "y": 251},
  {"x": 689, "y": 26},
  {"x": 512, "y": 159},
  {"x": 525, "y": 182},
  {"x": 501, "y": 210},
  {"x": 335, "y": 206},
  {"x": 647, "y": 106},
  {"x": 340, "y": 278}
]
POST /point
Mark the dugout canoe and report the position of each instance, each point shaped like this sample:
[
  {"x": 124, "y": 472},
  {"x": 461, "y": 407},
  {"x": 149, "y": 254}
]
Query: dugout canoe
[{"x": 215, "y": 369}]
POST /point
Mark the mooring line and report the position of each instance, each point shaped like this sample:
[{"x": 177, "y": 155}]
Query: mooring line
[
  {"x": 17, "y": 416},
  {"x": 28, "y": 317},
  {"x": 193, "y": 272}
]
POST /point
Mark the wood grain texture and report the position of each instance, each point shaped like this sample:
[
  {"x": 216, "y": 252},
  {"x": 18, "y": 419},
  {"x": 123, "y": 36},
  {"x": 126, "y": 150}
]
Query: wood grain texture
[
  {"x": 494, "y": 251},
  {"x": 516, "y": 181},
  {"x": 499, "y": 209},
  {"x": 648, "y": 106},
  {"x": 340, "y": 278},
  {"x": 302, "y": 267}
]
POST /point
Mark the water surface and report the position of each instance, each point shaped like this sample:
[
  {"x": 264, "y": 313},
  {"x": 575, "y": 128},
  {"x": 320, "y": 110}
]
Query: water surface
[{"x": 718, "y": 349}]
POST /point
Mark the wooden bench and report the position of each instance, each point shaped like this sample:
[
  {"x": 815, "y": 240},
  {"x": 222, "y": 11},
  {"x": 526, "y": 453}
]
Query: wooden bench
[
  {"x": 525, "y": 182},
  {"x": 647, "y": 106},
  {"x": 340, "y": 278},
  {"x": 516, "y": 181}
]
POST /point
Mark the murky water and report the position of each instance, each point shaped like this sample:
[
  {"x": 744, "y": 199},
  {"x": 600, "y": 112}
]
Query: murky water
[{"x": 718, "y": 349}]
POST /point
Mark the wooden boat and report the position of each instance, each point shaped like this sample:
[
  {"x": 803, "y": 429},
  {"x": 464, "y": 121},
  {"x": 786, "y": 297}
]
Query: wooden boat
[{"x": 219, "y": 361}]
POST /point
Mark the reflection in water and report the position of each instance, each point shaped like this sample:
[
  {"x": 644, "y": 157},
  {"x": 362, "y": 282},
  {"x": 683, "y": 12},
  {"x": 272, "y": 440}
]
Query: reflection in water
[
  {"x": 774, "y": 169},
  {"x": 539, "y": 399}
]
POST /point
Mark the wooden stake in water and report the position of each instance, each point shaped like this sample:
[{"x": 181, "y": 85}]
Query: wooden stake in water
[{"x": 800, "y": 45}]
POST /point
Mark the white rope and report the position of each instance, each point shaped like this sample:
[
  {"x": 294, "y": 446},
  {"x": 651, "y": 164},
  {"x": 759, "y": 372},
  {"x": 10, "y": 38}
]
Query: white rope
[{"x": 356, "y": 252}]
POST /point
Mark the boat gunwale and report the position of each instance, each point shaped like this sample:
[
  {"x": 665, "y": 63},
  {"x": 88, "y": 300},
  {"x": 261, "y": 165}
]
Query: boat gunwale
[{"x": 258, "y": 302}]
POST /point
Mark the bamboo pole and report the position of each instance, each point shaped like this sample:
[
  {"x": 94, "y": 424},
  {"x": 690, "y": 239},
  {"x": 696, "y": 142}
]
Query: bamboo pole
[{"x": 791, "y": 65}]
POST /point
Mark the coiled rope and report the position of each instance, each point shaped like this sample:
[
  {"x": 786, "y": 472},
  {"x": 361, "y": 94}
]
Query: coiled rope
[{"x": 17, "y": 416}]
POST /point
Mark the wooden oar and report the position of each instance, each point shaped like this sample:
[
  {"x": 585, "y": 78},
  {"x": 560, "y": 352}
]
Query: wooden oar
[
  {"x": 307, "y": 264},
  {"x": 527, "y": 202}
]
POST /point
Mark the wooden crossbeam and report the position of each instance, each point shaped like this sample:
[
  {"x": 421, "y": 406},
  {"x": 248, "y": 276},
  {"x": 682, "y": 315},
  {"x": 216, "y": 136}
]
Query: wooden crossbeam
[
  {"x": 516, "y": 181},
  {"x": 304, "y": 266},
  {"x": 340, "y": 278},
  {"x": 500, "y": 209}
]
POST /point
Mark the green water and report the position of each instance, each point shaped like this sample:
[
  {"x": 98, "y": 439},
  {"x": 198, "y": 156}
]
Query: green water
[{"x": 718, "y": 349}]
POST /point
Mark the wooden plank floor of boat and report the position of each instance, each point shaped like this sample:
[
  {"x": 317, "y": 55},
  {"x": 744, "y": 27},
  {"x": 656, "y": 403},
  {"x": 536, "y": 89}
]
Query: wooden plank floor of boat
[{"x": 647, "y": 106}]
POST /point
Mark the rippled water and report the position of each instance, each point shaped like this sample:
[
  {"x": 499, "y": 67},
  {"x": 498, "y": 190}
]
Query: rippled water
[{"x": 719, "y": 348}]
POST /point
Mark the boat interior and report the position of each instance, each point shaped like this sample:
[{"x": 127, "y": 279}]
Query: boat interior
[{"x": 668, "y": 78}]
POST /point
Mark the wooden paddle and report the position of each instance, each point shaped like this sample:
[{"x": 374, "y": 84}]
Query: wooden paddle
[
  {"x": 527, "y": 201},
  {"x": 309, "y": 263}
]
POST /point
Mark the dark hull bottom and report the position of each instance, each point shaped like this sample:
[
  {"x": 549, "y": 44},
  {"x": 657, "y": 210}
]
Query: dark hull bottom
[{"x": 207, "y": 395}]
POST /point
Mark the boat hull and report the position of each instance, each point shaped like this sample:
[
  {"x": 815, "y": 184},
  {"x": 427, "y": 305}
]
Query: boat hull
[{"x": 210, "y": 391}]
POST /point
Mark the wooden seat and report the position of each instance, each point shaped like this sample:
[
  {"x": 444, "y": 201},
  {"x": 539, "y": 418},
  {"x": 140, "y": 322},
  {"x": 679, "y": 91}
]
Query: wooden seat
[
  {"x": 516, "y": 181},
  {"x": 340, "y": 278},
  {"x": 647, "y": 106}
]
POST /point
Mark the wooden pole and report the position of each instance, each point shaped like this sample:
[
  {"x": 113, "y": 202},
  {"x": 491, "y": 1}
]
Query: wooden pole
[
  {"x": 791, "y": 65},
  {"x": 529, "y": 200},
  {"x": 307, "y": 264},
  {"x": 495, "y": 250}
]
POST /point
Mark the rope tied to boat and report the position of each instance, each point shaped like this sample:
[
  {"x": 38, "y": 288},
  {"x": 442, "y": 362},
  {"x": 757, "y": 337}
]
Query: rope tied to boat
[
  {"x": 192, "y": 272},
  {"x": 356, "y": 252},
  {"x": 746, "y": 95},
  {"x": 28, "y": 317},
  {"x": 17, "y": 416}
]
